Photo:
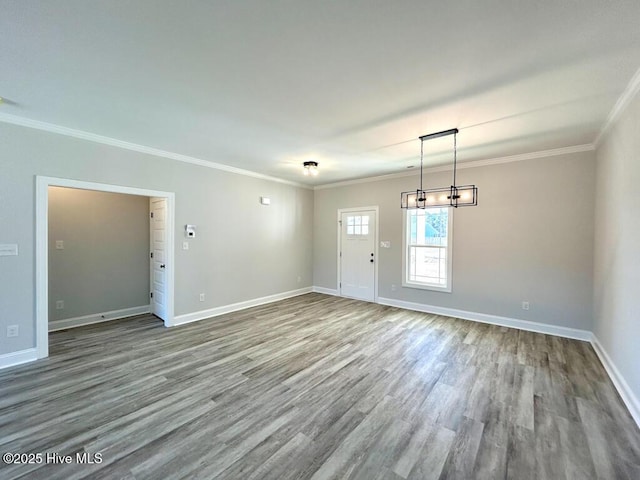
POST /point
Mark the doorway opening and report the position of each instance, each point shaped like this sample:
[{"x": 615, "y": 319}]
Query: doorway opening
[{"x": 165, "y": 280}]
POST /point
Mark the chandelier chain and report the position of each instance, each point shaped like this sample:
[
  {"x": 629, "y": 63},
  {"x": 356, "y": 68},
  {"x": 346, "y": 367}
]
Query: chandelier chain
[
  {"x": 455, "y": 156},
  {"x": 421, "y": 157}
]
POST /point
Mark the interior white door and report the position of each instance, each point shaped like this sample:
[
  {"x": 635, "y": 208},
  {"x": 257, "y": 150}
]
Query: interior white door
[
  {"x": 357, "y": 254},
  {"x": 158, "y": 234}
]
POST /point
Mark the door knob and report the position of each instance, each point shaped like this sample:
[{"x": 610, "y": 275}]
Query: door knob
[{"x": 162, "y": 265}]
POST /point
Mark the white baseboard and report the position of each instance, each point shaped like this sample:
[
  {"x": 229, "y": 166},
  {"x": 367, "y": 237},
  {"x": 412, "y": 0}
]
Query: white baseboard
[
  {"x": 16, "y": 358},
  {"x": 326, "y": 291},
  {"x": 491, "y": 319},
  {"x": 65, "y": 323},
  {"x": 627, "y": 395},
  {"x": 214, "y": 312}
]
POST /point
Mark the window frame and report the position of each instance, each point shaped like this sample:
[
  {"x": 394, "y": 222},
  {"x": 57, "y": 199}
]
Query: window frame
[
  {"x": 359, "y": 227},
  {"x": 447, "y": 288}
]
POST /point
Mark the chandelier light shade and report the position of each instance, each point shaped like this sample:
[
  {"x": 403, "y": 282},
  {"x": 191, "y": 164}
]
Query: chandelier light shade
[
  {"x": 310, "y": 168},
  {"x": 460, "y": 196},
  {"x": 451, "y": 196}
]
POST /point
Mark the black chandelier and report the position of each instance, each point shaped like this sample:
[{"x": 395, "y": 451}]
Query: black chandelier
[{"x": 451, "y": 196}]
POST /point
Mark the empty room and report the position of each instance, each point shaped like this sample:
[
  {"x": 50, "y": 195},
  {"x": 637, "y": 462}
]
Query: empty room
[{"x": 319, "y": 240}]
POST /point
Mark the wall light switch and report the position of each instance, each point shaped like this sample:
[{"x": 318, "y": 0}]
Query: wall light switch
[
  {"x": 190, "y": 231},
  {"x": 8, "y": 249},
  {"x": 59, "y": 244},
  {"x": 12, "y": 330}
]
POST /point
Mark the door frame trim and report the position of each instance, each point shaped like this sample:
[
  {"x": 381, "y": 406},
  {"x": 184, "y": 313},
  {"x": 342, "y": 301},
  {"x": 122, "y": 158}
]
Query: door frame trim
[
  {"x": 42, "y": 253},
  {"x": 375, "y": 247}
]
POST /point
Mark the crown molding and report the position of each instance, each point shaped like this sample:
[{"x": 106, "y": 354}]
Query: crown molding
[
  {"x": 473, "y": 164},
  {"x": 629, "y": 93},
  {"x": 92, "y": 137}
]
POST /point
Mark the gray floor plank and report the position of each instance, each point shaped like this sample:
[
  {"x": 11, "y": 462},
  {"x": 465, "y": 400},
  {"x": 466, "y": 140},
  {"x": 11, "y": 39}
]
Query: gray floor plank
[{"x": 317, "y": 387}]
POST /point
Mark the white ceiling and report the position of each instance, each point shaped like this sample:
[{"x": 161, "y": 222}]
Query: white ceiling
[{"x": 264, "y": 85}]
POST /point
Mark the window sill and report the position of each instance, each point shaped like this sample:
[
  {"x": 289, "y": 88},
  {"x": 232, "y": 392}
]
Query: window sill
[{"x": 433, "y": 288}]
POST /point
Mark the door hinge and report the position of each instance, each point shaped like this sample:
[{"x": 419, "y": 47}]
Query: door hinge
[
  {"x": 340, "y": 254},
  {"x": 340, "y": 284},
  {"x": 150, "y": 294},
  {"x": 340, "y": 222},
  {"x": 150, "y": 254},
  {"x": 150, "y": 214}
]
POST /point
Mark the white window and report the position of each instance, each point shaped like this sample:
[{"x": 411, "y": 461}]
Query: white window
[
  {"x": 358, "y": 225},
  {"x": 427, "y": 255}
]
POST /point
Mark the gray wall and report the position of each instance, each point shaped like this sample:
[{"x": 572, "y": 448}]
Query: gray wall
[
  {"x": 530, "y": 238},
  {"x": 104, "y": 265},
  {"x": 617, "y": 245},
  {"x": 243, "y": 250}
]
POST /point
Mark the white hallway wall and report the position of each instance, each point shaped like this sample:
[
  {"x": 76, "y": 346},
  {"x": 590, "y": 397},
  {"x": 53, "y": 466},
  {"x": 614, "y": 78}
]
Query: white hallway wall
[
  {"x": 243, "y": 250},
  {"x": 104, "y": 263}
]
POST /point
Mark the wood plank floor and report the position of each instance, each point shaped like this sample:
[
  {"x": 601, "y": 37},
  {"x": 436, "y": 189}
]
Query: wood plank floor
[{"x": 317, "y": 387}]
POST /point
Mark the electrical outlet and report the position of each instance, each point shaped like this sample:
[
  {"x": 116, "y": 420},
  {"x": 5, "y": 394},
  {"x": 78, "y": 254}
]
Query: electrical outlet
[
  {"x": 299, "y": 278},
  {"x": 59, "y": 304},
  {"x": 525, "y": 305},
  {"x": 185, "y": 245},
  {"x": 393, "y": 288},
  {"x": 12, "y": 330},
  {"x": 202, "y": 297},
  {"x": 59, "y": 244}
]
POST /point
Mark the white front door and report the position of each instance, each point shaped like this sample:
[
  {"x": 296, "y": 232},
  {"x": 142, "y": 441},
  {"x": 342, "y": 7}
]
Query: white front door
[
  {"x": 357, "y": 254},
  {"x": 159, "y": 257}
]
